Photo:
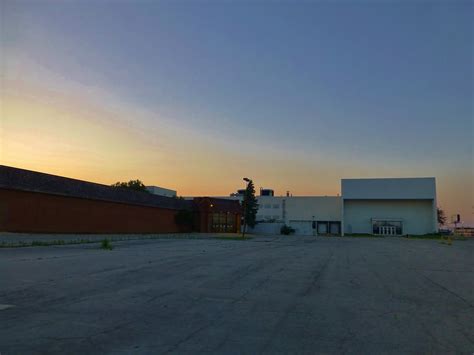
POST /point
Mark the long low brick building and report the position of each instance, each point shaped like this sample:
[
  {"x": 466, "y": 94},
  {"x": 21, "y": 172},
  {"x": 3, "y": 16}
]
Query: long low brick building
[{"x": 43, "y": 203}]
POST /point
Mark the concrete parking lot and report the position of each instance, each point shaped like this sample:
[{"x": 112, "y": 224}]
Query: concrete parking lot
[{"x": 264, "y": 295}]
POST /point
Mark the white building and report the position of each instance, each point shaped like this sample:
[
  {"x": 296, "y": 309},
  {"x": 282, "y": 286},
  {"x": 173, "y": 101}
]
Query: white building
[
  {"x": 308, "y": 215},
  {"x": 161, "y": 191},
  {"x": 393, "y": 206},
  {"x": 389, "y": 206}
]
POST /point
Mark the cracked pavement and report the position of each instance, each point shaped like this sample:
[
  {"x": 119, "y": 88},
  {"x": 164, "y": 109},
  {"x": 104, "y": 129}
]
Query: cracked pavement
[{"x": 270, "y": 294}]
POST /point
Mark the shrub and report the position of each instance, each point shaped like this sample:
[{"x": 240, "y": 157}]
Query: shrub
[
  {"x": 106, "y": 244},
  {"x": 286, "y": 230}
]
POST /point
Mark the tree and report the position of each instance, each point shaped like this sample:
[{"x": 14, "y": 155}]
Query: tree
[
  {"x": 136, "y": 185},
  {"x": 441, "y": 216},
  {"x": 250, "y": 206}
]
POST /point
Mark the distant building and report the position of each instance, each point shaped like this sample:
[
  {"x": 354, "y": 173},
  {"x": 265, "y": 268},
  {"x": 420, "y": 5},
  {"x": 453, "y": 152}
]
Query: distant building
[
  {"x": 239, "y": 193},
  {"x": 35, "y": 202},
  {"x": 161, "y": 191},
  {"x": 217, "y": 215},
  {"x": 266, "y": 192},
  {"x": 392, "y": 206},
  {"x": 384, "y": 206}
]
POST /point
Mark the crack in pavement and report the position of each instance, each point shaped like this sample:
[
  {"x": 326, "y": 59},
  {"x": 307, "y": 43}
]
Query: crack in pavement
[
  {"x": 448, "y": 290},
  {"x": 283, "y": 319}
]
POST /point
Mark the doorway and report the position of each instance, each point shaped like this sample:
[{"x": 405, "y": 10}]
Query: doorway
[
  {"x": 328, "y": 228},
  {"x": 387, "y": 227}
]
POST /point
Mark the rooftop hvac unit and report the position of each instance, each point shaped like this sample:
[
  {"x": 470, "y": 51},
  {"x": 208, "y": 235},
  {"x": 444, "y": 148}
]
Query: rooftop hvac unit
[{"x": 266, "y": 192}]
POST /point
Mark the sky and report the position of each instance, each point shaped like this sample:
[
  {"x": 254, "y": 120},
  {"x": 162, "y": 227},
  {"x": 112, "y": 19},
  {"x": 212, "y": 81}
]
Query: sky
[{"x": 196, "y": 95}]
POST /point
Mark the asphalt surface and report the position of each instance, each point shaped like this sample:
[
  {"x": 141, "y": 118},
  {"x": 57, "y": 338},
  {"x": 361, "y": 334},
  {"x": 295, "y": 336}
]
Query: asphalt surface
[
  {"x": 265, "y": 295},
  {"x": 17, "y": 239}
]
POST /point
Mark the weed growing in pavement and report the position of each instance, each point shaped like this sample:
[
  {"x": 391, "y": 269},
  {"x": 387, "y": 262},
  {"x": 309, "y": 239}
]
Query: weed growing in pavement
[
  {"x": 106, "y": 244},
  {"x": 447, "y": 241}
]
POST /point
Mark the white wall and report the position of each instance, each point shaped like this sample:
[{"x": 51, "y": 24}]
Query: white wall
[
  {"x": 389, "y": 188},
  {"x": 416, "y": 215},
  {"x": 161, "y": 191},
  {"x": 270, "y": 207},
  {"x": 318, "y": 208},
  {"x": 301, "y": 208}
]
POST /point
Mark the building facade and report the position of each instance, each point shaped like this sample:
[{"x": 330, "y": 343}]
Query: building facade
[
  {"x": 384, "y": 206},
  {"x": 308, "y": 215},
  {"x": 161, "y": 191},
  {"x": 389, "y": 206},
  {"x": 36, "y": 202},
  {"x": 217, "y": 215},
  {"x": 44, "y": 203}
]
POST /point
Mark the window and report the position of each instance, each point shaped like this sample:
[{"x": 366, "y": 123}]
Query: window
[
  {"x": 276, "y": 206},
  {"x": 222, "y": 222},
  {"x": 268, "y": 206},
  {"x": 230, "y": 222}
]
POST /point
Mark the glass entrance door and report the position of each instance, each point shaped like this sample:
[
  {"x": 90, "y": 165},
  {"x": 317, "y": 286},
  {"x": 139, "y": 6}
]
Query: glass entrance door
[
  {"x": 387, "y": 231},
  {"x": 387, "y": 227}
]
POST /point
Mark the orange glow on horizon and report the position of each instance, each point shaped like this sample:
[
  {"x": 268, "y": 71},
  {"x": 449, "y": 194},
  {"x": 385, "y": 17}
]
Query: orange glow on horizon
[{"x": 74, "y": 137}]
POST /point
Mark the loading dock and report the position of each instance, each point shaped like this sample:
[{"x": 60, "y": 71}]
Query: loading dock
[{"x": 321, "y": 228}]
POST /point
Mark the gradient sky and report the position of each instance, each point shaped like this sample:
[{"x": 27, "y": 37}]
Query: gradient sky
[{"x": 195, "y": 95}]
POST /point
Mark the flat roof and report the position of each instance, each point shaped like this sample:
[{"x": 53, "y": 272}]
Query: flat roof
[{"x": 33, "y": 181}]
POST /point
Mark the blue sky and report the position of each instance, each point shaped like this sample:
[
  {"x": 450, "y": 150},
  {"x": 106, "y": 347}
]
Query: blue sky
[{"x": 368, "y": 84}]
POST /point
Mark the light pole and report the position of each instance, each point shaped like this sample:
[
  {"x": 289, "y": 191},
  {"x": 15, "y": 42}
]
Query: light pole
[{"x": 245, "y": 206}]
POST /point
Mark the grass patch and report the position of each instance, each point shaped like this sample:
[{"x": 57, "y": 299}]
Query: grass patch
[
  {"x": 446, "y": 241},
  {"x": 443, "y": 238},
  {"x": 37, "y": 243},
  {"x": 363, "y": 235},
  {"x": 437, "y": 236},
  {"x": 44, "y": 243},
  {"x": 59, "y": 242},
  {"x": 106, "y": 244},
  {"x": 115, "y": 238},
  {"x": 425, "y": 236},
  {"x": 234, "y": 238},
  {"x": 461, "y": 237}
]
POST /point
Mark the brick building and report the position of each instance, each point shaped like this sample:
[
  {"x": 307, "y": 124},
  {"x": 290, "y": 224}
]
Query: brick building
[{"x": 44, "y": 203}]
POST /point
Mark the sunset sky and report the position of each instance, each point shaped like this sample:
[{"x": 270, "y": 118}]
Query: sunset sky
[{"x": 195, "y": 95}]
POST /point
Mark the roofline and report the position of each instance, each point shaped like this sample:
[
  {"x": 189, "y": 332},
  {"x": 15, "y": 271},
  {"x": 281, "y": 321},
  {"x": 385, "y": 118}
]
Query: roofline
[
  {"x": 59, "y": 194},
  {"x": 102, "y": 192},
  {"x": 391, "y": 178},
  {"x": 54, "y": 175}
]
